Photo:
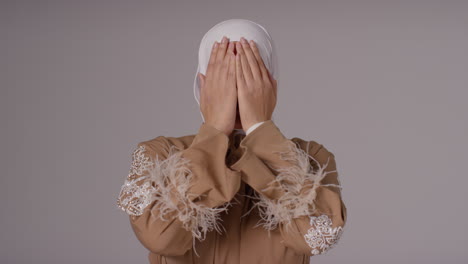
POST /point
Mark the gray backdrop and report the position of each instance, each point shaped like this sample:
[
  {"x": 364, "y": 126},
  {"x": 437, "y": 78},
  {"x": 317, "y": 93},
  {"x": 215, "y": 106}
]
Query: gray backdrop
[{"x": 381, "y": 84}]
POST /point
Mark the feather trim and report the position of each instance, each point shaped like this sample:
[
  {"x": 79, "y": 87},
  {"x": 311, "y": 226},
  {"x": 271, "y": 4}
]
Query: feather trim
[
  {"x": 167, "y": 183},
  {"x": 299, "y": 184}
]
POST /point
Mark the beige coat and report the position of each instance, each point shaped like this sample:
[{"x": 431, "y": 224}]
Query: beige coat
[{"x": 213, "y": 198}]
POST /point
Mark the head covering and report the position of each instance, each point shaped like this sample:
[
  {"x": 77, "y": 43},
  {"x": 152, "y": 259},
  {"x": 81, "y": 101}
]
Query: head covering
[{"x": 234, "y": 29}]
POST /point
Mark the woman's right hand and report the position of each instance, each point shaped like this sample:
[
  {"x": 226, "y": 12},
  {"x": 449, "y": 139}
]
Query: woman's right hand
[{"x": 218, "y": 90}]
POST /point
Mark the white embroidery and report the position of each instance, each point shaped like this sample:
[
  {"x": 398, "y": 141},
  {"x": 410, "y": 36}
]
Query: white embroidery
[
  {"x": 140, "y": 162},
  {"x": 321, "y": 237},
  {"x": 136, "y": 193}
]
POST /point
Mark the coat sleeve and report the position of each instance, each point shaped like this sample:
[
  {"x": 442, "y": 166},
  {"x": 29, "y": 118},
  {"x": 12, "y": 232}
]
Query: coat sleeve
[
  {"x": 297, "y": 188},
  {"x": 174, "y": 195}
]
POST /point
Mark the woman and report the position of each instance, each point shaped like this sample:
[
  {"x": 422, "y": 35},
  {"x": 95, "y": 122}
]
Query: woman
[{"x": 228, "y": 196}]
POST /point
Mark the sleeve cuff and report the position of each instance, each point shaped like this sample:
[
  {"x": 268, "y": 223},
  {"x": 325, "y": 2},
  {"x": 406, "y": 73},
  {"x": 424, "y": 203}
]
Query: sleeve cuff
[
  {"x": 208, "y": 132},
  {"x": 265, "y": 142},
  {"x": 257, "y": 175},
  {"x": 282, "y": 174}
]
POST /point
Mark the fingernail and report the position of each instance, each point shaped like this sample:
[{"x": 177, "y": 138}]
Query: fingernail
[
  {"x": 252, "y": 42},
  {"x": 224, "y": 40},
  {"x": 216, "y": 44},
  {"x": 244, "y": 40}
]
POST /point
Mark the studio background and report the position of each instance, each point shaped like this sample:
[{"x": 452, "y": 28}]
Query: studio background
[{"x": 381, "y": 84}]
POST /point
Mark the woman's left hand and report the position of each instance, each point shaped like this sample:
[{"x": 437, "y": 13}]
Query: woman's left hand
[{"x": 256, "y": 88}]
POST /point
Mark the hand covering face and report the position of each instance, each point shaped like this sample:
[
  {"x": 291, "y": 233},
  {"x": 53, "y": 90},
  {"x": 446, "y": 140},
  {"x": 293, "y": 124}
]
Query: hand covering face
[{"x": 234, "y": 29}]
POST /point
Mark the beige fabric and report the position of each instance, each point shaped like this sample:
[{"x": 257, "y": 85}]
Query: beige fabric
[{"x": 212, "y": 198}]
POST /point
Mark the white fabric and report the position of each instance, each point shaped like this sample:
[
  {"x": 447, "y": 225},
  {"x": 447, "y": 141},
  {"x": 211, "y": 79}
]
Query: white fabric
[
  {"x": 234, "y": 29},
  {"x": 252, "y": 128},
  {"x": 249, "y": 130}
]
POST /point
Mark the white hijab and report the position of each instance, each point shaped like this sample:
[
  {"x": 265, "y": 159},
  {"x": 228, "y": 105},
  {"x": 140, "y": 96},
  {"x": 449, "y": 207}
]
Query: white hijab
[{"x": 234, "y": 29}]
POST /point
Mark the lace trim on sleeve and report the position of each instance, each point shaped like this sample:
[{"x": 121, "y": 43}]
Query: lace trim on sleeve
[
  {"x": 136, "y": 193},
  {"x": 321, "y": 237},
  {"x": 167, "y": 182}
]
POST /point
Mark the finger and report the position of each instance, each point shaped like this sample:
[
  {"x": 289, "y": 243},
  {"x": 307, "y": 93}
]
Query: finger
[
  {"x": 201, "y": 77},
  {"x": 212, "y": 61},
  {"x": 232, "y": 63},
  {"x": 246, "y": 73},
  {"x": 224, "y": 69},
  {"x": 270, "y": 76},
  {"x": 239, "y": 75},
  {"x": 222, "y": 49},
  {"x": 227, "y": 62},
  {"x": 261, "y": 63},
  {"x": 274, "y": 83},
  {"x": 202, "y": 88},
  {"x": 231, "y": 46},
  {"x": 252, "y": 60},
  {"x": 275, "y": 88}
]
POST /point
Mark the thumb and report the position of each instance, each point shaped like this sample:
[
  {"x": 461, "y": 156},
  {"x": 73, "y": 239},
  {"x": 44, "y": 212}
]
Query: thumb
[{"x": 201, "y": 77}]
